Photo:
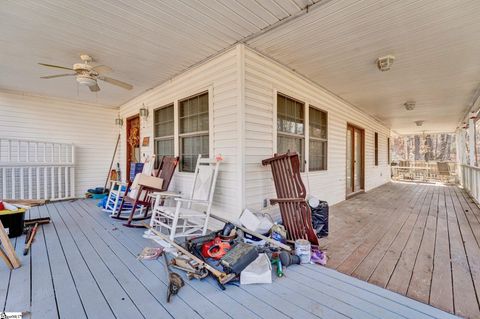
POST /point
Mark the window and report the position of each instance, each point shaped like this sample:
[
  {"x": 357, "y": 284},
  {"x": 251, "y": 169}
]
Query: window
[
  {"x": 376, "y": 149},
  {"x": 163, "y": 132},
  {"x": 317, "y": 158},
  {"x": 290, "y": 127},
  {"x": 388, "y": 150},
  {"x": 193, "y": 130}
]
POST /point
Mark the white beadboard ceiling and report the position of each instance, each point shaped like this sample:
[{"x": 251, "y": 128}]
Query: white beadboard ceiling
[
  {"x": 435, "y": 42},
  {"x": 144, "y": 42}
]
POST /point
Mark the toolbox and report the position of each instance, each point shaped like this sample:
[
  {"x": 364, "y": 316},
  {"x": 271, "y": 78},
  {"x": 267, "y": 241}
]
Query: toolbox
[
  {"x": 238, "y": 258},
  {"x": 12, "y": 221}
]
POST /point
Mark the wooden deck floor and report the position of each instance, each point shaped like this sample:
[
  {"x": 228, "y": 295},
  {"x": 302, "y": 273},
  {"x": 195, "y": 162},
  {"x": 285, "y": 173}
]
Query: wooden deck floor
[
  {"x": 83, "y": 265},
  {"x": 418, "y": 240}
]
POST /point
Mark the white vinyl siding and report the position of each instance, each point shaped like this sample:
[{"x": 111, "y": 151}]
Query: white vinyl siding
[
  {"x": 264, "y": 79},
  {"x": 217, "y": 76},
  {"x": 89, "y": 127}
]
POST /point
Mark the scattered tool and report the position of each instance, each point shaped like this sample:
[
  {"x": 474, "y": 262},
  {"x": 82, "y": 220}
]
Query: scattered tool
[
  {"x": 190, "y": 266},
  {"x": 175, "y": 281},
  {"x": 222, "y": 277},
  {"x": 29, "y": 243},
  {"x": 8, "y": 249},
  {"x": 246, "y": 230},
  {"x": 40, "y": 221}
]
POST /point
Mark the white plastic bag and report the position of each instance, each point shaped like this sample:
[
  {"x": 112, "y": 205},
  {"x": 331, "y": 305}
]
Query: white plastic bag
[
  {"x": 255, "y": 223},
  {"x": 258, "y": 272}
]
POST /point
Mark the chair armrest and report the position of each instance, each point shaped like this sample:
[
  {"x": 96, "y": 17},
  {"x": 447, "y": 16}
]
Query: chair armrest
[
  {"x": 165, "y": 194},
  {"x": 287, "y": 200},
  {"x": 191, "y": 200}
]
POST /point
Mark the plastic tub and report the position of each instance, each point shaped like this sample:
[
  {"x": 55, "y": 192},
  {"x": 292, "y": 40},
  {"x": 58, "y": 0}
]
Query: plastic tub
[{"x": 12, "y": 221}]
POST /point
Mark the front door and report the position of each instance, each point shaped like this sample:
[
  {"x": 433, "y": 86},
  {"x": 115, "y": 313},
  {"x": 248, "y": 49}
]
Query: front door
[
  {"x": 133, "y": 142},
  {"x": 355, "y": 159}
]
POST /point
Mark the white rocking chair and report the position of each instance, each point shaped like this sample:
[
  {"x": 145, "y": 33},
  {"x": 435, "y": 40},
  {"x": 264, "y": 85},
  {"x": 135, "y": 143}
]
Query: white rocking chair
[
  {"x": 190, "y": 215},
  {"x": 119, "y": 189}
]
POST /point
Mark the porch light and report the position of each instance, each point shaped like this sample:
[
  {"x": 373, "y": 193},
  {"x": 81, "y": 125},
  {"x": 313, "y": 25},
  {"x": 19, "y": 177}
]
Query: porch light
[
  {"x": 409, "y": 105},
  {"x": 473, "y": 115},
  {"x": 119, "y": 121},
  {"x": 419, "y": 122},
  {"x": 384, "y": 63},
  {"x": 143, "y": 112}
]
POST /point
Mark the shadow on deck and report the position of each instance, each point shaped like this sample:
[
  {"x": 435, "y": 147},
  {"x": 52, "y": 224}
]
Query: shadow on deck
[{"x": 83, "y": 265}]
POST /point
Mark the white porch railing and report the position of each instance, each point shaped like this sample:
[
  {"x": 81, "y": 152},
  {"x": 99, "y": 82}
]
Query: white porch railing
[
  {"x": 36, "y": 170},
  {"x": 470, "y": 180}
]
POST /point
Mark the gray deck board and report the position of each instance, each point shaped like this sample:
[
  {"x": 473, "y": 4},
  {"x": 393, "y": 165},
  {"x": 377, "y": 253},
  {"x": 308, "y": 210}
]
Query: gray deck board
[{"x": 84, "y": 266}]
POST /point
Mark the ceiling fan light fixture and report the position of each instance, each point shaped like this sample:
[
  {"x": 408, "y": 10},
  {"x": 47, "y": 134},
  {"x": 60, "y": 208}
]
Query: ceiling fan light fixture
[{"x": 86, "y": 80}]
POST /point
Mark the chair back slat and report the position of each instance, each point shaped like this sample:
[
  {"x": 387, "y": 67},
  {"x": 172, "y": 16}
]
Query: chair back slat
[
  {"x": 167, "y": 169},
  {"x": 296, "y": 215}
]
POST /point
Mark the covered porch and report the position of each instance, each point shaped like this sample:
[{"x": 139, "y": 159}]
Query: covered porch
[{"x": 84, "y": 265}]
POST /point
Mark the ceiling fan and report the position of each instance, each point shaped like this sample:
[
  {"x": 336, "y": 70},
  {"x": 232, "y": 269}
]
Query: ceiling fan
[{"x": 86, "y": 74}]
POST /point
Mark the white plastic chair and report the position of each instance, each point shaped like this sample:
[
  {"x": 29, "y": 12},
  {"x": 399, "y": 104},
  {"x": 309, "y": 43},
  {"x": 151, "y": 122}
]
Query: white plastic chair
[
  {"x": 118, "y": 189},
  {"x": 190, "y": 215}
]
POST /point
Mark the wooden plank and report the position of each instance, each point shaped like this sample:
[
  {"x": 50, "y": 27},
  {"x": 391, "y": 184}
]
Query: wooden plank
[
  {"x": 465, "y": 302},
  {"x": 43, "y": 297},
  {"x": 471, "y": 247},
  {"x": 68, "y": 300},
  {"x": 421, "y": 278},
  {"x": 389, "y": 229},
  {"x": 18, "y": 298},
  {"x": 8, "y": 247},
  {"x": 387, "y": 265},
  {"x": 118, "y": 300},
  {"x": 343, "y": 248},
  {"x": 400, "y": 279},
  {"x": 200, "y": 304},
  {"x": 408, "y": 307},
  {"x": 441, "y": 293},
  {"x": 389, "y": 243},
  {"x": 375, "y": 304},
  {"x": 144, "y": 301}
]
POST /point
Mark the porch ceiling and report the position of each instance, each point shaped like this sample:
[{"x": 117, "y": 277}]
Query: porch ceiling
[
  {"x": 435, "y": 43},
  {"x": 335, "y": 45},
  {"x": 145, "y": 42}
]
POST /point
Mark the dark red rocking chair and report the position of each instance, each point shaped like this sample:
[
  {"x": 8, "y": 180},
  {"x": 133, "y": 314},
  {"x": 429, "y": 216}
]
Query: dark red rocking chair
[
  {"x": 165, "y": 172},
  {"x": 291, "y": 193}
]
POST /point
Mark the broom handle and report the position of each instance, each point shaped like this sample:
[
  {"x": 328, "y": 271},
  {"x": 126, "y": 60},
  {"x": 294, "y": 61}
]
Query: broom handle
[{"x": 111, "y": 163}]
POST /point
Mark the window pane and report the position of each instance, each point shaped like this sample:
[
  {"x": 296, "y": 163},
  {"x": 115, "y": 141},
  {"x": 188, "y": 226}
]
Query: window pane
[
  {"x": 190, "y": 147},
  {"x": 194, "y": 114},
  {"x": 290, "y": 116},
  {"x": 294, "y": 144},
  {"x": 163, "y": 148},
  {"x": 318, "y": 155},
  {"x": 318, "y": 123},
  {"x": 163, "y": 122}
]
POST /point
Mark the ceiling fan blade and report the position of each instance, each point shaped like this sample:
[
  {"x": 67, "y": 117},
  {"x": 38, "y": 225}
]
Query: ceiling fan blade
[
  {"x": 56, "y": 76},
  {"x": 102, "y": 69},
  {"x": 116, "y": 82},
  {"x": 55, "y": 66},
  {"x": 94, "y": 88}
]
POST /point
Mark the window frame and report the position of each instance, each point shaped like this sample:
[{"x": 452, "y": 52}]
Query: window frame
[
  {"x": 180, "y": 136},
  {"x": 306, "y": 137},
  {"x": 376, "y": 148},
  {"x": 388, "y": 151},
  {"x": 163, "y": 138}
]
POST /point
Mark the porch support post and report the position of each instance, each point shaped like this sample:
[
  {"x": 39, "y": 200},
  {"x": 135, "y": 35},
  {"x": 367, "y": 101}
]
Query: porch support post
[{"x": 471, "y": 141}]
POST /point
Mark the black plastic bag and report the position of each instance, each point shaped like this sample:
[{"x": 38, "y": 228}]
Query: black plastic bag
[{"x": 320, "y": 219}]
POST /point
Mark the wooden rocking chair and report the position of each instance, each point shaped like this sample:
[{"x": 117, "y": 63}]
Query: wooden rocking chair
[
  {"x": 140, "y": 198},
  {"x": 291, "y": 192}
]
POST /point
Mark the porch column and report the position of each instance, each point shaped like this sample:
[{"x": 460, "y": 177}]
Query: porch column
[{"x": 471, "y": 140}]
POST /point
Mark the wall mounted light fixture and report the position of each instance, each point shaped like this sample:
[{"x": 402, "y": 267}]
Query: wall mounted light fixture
[
  {"x": 119, "y": 121},
  {"x": 143, "y": 112}
]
